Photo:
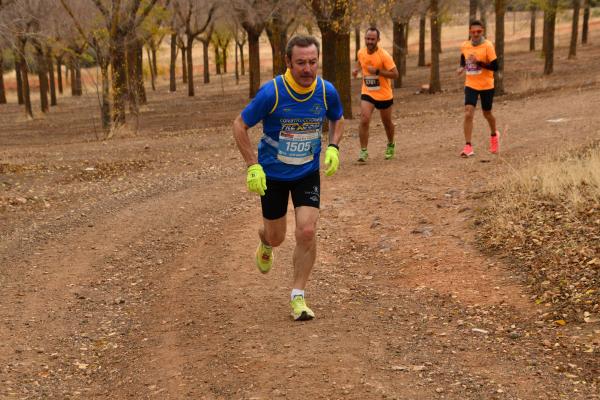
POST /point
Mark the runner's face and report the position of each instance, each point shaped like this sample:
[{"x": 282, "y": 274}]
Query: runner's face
[
  {"x": 371, "y": 40},
  {"x": 476, "y": 31},
  {"x": 304, "y": 64}
]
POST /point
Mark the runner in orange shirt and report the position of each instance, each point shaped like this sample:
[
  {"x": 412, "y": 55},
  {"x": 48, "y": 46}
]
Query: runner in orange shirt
[
  {"x": 378, "y": 68},
  {"x": 478, "y": 60}
]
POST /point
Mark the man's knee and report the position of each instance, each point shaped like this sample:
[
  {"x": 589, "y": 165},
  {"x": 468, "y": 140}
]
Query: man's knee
[
  {"x": 274, "y": 239},
  {"x": 488, "y": 113},
  {"x": 469, "y": 113},
  {"x": 305, "y": 234},
  {"x": 365, "y": 119}
]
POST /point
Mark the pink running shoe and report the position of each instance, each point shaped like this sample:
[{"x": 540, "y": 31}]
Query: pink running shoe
[
  {"x": 495, "y": 143},
  {"x": 467, "y": 151}
]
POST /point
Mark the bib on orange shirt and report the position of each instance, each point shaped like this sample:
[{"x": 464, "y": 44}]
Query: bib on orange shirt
[
  {"x": 375, "y": 86},
  {"x": 478, "y": 78}
]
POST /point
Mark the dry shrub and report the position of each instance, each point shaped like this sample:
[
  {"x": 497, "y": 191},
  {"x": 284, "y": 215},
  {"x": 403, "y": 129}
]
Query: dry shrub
[{"x": 546, "y": 219}]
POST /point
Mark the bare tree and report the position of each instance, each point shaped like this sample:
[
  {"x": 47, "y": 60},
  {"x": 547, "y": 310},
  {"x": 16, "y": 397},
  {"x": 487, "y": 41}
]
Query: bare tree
[
  {"x": 401, "y": 15},
  {"x": 422, "y": 31},
  {"x": 586, "y": 22},
  {"x": 253, "y": 16},
  {"x": 574, "y": 29},
  {"x": 2, "y": 89},
  {"x": 550, "y": 24},
  {"x": 277, "y": 27},
  {"x": 204, "y": 38},
  {"x": 333, "y": 19},
  {"x": 533, "y": 16},
  {"x": 194, "y": 22},
  {"x": 500, "y": 8},
  {"x": 121, "y": 20},
  {"x": 472, "y": 10},
  {"x": 434, "y": 78}
]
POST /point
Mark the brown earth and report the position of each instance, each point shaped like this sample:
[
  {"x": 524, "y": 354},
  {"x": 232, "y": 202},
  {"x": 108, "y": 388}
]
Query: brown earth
[{"x": 126, "y": 266}]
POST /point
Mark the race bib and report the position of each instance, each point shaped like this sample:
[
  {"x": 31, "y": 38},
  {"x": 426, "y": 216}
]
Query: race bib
[
  {"x": 296, "y": 145},
  {"x": 372, "y": 82},
  {"x": 472, "y": 69}
]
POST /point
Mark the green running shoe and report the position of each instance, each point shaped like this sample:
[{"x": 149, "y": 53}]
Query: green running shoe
[
  {"x": 264, "y": 257},
  {"x": 389, "y": 151},
  {"x": 300, "y": 311},
  {"x": 363, "y": 155}
]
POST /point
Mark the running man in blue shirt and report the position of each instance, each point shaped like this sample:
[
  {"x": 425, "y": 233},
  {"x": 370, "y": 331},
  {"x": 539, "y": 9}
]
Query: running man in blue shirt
[{"x": 292, "y": 108}]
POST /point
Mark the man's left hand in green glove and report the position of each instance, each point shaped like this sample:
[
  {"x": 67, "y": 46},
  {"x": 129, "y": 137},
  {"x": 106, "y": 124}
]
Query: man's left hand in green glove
[{"x": 332, "y": 159}]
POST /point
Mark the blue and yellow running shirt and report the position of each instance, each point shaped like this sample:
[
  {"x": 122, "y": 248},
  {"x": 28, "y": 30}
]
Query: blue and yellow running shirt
[{"x": 292, "y": 124}]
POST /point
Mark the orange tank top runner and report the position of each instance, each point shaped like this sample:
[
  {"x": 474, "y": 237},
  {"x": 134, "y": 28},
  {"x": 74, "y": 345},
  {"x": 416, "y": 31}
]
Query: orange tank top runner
[
  {"x": 478, "y": 78},
  {"x": 375, "y": 86}
]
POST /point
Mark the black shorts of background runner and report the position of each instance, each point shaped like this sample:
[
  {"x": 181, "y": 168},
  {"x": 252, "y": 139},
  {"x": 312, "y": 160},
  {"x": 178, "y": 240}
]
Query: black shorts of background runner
[
  {"x": 487, "y": 98},
  {"x": 305, "y": 191},
  {"x": 380, "y": 105}
]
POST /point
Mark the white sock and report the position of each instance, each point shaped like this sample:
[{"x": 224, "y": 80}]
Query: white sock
[{"x": 297, "y": 292}]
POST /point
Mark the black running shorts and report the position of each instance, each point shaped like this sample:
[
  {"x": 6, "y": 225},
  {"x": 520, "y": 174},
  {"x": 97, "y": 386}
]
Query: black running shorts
[
  {"x": 487, "y": 98},
  {"x": 305, "y": 191},
  {"x": 380, "y": 105}
]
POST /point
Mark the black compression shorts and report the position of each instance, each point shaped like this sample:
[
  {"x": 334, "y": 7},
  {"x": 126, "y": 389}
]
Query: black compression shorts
[
  {"x": 487, "y": 98},
  {"x": 305, "y": 191},
  {"x": 380, "y": 105}
]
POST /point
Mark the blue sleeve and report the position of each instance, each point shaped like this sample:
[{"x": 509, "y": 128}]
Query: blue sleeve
[
  {"x": 334, "y": 104},
  {"x": 260, "y": 106}
]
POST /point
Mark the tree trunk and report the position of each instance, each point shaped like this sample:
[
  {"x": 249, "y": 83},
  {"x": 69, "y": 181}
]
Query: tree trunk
[
  {"x": 105, "y": 109},
  {"x": 253, "y": 50},
  {"x": 532, "y": 28},
  {"x": 224, "y": 54},
  {"x": 76, "y": 78},
  {"x": 242, "y": 62},
  {"x": 205, "y": 61},
  {"x": 586, "y": 22},
  {"x": 472, "y": 11},
  {"x": 43, "y": 78},
  {"x": 574, "y": 29},
  {"x": 342, "y": 82},
  {"x": 405, "y": 47},
  {"x": 154, "y": 63},
  {"x": 119, "y": 78},
  {"x": 72, "y": 75},
  {"x": 237, "y": 67},
  {"x": 25, "y": 83},
  {"x": 483, "y": 14},
  {"x": 2, "y": 90},
  {"x": 190, "y": 66},
  {"x": 328, "y": 41},
  {"x": 434, "y": 78},
  {"x": 59, "y": 74},
  {"x": 18, "y": 70},
  {"x": 172, "y": 63},
  {"x": 550, "y": 20},
  {"x": 151, "y": 67},
  {"x": 277, "y": 39},
  {"x": 422, "y": 26},
  {"x": 356, "y": 41},
  {"x": 184, "y": 65},
  {"x": 399, "y": 52},
  {"x": 139, "y": 72},
  {"x": 499, "y": 75},
  {"x": 50, "y": 63},
  {"x": 217, "y": 59}
]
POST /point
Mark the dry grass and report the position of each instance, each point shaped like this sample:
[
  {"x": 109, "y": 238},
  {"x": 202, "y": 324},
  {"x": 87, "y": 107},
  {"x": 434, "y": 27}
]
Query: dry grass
[{"x": 546, "y": 219}]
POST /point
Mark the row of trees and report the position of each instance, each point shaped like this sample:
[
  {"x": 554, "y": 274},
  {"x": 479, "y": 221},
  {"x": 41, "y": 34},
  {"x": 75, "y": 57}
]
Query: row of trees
[{"x": 49, "y": 35}]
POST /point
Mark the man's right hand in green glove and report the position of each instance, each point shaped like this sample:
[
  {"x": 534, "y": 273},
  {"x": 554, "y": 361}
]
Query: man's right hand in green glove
[{"x": 256, "y": 179}]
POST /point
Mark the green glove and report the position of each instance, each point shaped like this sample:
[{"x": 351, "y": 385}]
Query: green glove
[
  {"x": 332, "y": 159},
  {"x": 256, "y": 179}
]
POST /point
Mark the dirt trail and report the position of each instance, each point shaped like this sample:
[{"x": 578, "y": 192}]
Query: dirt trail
[{"x": 136, "y": 280}]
